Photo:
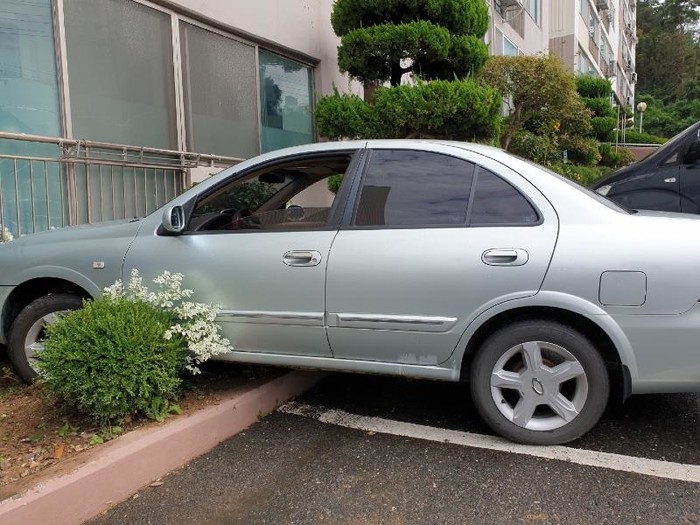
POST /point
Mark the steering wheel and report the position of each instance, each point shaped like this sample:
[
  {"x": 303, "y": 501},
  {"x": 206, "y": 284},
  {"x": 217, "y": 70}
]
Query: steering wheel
[
  {"x": 218, "y": 221},
  {"x": 243, "y": 220}
]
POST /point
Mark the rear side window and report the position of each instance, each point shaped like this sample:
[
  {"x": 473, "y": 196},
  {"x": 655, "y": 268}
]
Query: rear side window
[
  {"x": 414, "y": 188},
  {"x": 497, "y": 202}
]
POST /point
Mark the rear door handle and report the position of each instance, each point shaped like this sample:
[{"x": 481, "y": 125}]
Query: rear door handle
[
  {"x": 505, "y": 257},
  {"x": 301, "y": 258},
  {"x": 670, "y": 179}
]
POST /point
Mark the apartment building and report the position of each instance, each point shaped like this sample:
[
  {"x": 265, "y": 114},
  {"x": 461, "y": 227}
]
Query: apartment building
[
  {"x": 592, "y": 37},
  {"x": 597, "y": 37}
]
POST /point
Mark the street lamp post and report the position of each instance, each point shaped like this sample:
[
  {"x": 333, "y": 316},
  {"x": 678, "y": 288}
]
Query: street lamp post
[{"x": 641, "y": 107}]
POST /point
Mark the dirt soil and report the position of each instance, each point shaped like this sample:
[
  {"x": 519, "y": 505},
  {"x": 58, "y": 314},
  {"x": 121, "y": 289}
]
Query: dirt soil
[{"x": 37, "y": 431}]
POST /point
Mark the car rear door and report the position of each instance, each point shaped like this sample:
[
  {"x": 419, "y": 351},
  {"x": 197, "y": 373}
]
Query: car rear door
[{"x": 437, "y": 236}]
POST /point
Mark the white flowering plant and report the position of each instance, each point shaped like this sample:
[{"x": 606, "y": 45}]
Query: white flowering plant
[
  {"x": 193, "y": 322},
  {"x": 5, "y": 235}
]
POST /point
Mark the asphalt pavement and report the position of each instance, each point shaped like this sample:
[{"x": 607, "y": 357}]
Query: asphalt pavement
[{"x": 294, "y": 469}]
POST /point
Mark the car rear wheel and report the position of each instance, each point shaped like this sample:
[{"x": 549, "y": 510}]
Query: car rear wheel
[
  {"x": 539, "y": 382},
  {"x": 27, "y": 331}
]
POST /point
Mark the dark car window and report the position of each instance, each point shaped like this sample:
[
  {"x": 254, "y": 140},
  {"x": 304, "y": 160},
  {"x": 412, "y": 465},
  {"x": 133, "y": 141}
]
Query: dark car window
[
  {"x": 497, "y": 202},
  {"x": 414, "y": 188}
]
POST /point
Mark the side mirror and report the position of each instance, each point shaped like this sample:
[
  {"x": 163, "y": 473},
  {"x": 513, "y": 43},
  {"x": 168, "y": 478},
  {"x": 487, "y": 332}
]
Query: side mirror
[
  {"x": 174, "y": 219},
  {"x": 692, "y": 154}
]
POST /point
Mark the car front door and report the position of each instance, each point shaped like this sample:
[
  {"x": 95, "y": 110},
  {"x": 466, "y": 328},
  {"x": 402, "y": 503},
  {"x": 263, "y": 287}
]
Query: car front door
[
  {"x": 437, "y": 236},
  {"x": 656, "y": 188},
  {"x": 258, "y": 246}
]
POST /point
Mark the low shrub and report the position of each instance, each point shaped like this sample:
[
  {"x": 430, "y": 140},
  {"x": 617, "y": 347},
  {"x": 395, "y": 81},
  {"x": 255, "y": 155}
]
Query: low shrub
[
  {"x": 334, "y": 182},
  {"x": 580, "y": 150},
  {"x": 123, "y": 353},
  {"x": 614, "y": 158},
  {"x": 111, "y": 359},
  {"x": 537, "y": 148},
  {"x": 584, "y": 175},
  {"x": 635, "y": 137}
]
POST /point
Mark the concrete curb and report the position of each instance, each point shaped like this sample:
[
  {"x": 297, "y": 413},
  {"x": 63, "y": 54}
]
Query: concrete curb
[{"x": 125, "y": 465}]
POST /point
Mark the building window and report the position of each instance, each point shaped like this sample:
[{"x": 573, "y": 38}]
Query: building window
[
  {"x": 509, "y": 48},
  {"x": 29, "y": 103},
  {"x": 120, "y": 71},
  {"x": 28, "y": 81},
  {"x": 220, "y": 88},
  {"x": 285, "y": 102},
  {"x": 533, "y": 8},
  {"x": 585, "y": 67}
]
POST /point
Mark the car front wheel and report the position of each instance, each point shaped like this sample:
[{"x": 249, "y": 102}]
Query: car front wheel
[
  {"x": 539, "y": 383},
  {"x": 27, "y": 331}
]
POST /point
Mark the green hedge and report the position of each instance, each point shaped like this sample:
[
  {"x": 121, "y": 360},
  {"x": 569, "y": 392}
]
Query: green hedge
[
  {"x": 110, "y": 360},
  {"x": 634, "y": 137}
]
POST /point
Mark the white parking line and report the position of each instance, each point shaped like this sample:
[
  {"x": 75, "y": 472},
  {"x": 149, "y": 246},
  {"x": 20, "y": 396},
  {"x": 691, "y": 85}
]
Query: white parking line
[{"x": 591, "y": 458}]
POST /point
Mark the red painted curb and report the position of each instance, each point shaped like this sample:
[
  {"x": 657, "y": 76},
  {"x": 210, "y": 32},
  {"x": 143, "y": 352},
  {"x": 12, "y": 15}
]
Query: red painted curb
[{"x": 125, "y": 465}]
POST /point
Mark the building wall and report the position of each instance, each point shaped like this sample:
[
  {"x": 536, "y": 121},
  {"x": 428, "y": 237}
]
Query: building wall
[{"x": 518, "y": 29}]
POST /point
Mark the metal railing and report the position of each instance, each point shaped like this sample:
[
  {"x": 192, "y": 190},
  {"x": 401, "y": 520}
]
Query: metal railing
[{"x": 50, "y": 182}]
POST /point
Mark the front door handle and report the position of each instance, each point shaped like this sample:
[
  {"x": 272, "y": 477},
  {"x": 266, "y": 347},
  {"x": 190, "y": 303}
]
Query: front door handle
[
  {"x": 301, "y": 258},
  {"x": 505, "y": 257}
]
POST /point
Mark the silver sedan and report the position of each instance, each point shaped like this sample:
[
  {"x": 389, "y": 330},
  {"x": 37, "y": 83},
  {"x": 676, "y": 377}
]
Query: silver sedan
[{"x": 434, "y": 260}]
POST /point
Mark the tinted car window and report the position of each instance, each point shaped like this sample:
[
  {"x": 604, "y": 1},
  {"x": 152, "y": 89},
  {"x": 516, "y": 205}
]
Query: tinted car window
[
  {"x": 414, "y": 188},
  {"x": 497, "y": 202}
]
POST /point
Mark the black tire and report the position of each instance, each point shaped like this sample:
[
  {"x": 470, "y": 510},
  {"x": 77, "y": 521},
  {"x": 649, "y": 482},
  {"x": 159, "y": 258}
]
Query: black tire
[
  {"x": 587, "y": 391},
  {"x": 27, "y": 318}
]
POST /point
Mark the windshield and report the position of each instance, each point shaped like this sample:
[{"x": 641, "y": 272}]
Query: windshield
[{"x": 671, "y": 144}]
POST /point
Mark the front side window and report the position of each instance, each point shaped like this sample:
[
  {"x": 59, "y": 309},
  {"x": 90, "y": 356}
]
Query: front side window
[
  {"x": 414, "y": 188},
  {"x": 289, "y": 196}
]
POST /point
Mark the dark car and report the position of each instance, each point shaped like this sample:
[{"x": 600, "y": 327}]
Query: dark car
[{"x": 667, "y": 180}]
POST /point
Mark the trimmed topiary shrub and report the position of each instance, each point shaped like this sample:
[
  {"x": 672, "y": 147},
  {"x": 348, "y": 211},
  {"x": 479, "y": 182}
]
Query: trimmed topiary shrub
[
  {"x": 457, "y": 110},
  {"x": 589, "y": 86},
  {"x": 603, "y": 128},
  {"x": 341, "y": 116},
  {"x": 111, "y": 360},
  {"x": 599, "y": 106}
]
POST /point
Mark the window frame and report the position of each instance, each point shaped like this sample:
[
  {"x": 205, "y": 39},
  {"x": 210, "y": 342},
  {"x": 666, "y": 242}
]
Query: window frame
[
  {"x": 338, "y": 207},
  {"x": 348, "y": 222}
]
